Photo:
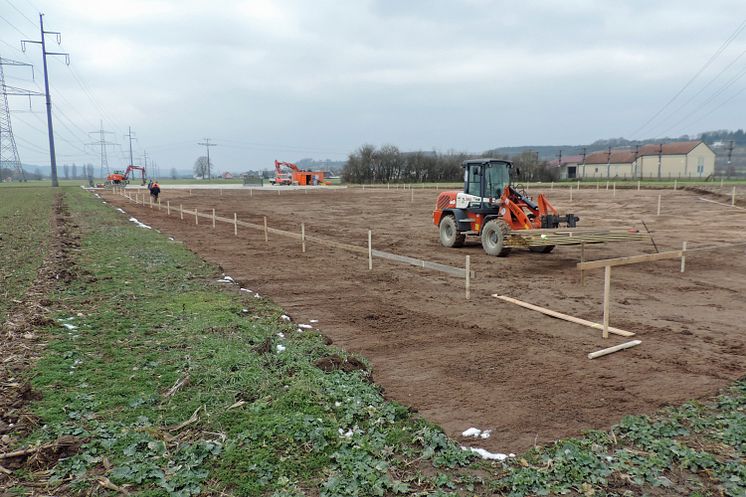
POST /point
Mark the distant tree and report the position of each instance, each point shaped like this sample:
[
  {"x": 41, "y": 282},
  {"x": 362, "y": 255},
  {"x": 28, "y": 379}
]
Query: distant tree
[
  {"x": 200, "y": 167},
  {"x": 66, "y": 171},
  {"x": 174, "y": 173},
  {"x": 75, "y": 171},
  {"x": 38, "y": 173}
]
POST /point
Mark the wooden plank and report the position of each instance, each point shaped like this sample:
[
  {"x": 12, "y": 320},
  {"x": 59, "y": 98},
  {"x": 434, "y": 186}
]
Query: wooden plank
[
  {"x": 607, "y": 291},
  {"x": 566, "y": 317},
  {"x": 615, "y": 348},
  {"x": 632, "y": 259}
]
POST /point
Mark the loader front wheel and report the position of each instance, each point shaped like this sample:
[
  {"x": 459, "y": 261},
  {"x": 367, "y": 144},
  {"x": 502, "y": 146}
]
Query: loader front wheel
[
  {"x": 544, "y": 249},
  {"x": 449, "y": 235},
  {"x": 494, "y": 237}
]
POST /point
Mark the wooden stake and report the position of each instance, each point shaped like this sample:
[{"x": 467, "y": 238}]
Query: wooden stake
[
  {"x": 235, "y": 224},
  {"x": 571, "y": 193},
  {"x": 266, "y": 231},
  {"x": 221, "y": 192},
  {"x": 613, "y": 349},
  {"x": 168, "y": 207},
  {"x": 582, "y": 260},
  {"x": 733, "y": 197},
  {"x": 150, "y": 197},
  {"x": 159, "y": 203},
  {"x": 278, "y": 192},
  {"x": 598, "y": 185},
  {"x": 213, "y": 218},
  {"x": 614, "y": 190},
  {"x": 721, "y": 182},
  {"x": 412, "y": 195},
  {"x": 251, "y": 192},
  {"x": 196, "y": 219},
  {"x": 370, "y": 250},
  {"x": 659, "y": 206},
  {"x": 578, "y": 184},
  {"x": 181, "y": 211},
  {"x": 638, "y": 185},
  {"x": 675, "y": 184},
  {"x": 607, "y": 291},
  {"x": 190, "y": 192},
  {"x": 552, "y": 187},
  {"x": 467, "y": 267},
  {"x": 303, "y": 237},
  {"x": 559, "y": 315},
  {"x": 683, "y": 256}
]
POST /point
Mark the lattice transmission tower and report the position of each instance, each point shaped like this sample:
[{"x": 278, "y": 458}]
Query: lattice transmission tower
[{"x": 9, "y": 158}]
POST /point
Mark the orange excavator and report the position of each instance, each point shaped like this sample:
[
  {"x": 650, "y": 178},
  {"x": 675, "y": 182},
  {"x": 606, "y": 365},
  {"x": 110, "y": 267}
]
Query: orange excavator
[
  {"x": 296, "y": 176},
  {"x": 490, "y": 208},
  {"x": 123, "y": 178}
]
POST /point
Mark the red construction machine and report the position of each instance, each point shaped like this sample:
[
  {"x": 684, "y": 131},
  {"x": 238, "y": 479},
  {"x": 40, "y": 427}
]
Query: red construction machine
[
  {"x": 296, "y": 176},
  {"x": 123, "y": 178},
  {"x": 492, "y": 209}
]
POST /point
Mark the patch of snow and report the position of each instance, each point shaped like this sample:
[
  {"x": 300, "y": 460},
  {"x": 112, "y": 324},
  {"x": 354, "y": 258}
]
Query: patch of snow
[
  {"x": 139, "y": 224},
  {"x": 104, "y": 202},
  {"x": 299, "y": 330},
  {"x": 337, "y": 403},
  {"x": 471, "y": 432},
  {"x": 244, "y": 310},
  {"x": 246, "y": 290},
  {"x": 486, "y": 434},
  {"x": 280, "y": 347},
  {"x": 346, "y": 434},
  {"x": 227, "y": 279},
  {"x": 484, "y": 454},
  {"x": 256, "y": 295},
  {"x": 313, "y": 320},
  {"x": 306, "y": 326},
  {"x": 121, "y": 210},
  {"x": 70, "y": 326},
  {"x": 285, "y": 317},
  {"x": 171, "y": 238},
  {"x": 281, "y": 335}
]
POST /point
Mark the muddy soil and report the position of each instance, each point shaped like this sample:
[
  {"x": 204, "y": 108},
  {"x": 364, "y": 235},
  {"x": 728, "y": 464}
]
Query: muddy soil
[{"x": 486, "y": 363}]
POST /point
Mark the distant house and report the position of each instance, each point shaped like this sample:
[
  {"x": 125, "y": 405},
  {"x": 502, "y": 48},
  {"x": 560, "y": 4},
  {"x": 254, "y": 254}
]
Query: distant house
[
  {"x": 227, "y": 175},
  {"x": 690, "y": 159},
  {"x": 568, "y": 168}
]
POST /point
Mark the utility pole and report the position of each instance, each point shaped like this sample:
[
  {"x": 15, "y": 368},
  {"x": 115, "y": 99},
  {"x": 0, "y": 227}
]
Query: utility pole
[
  {"x": 130, "y": 137},
  {"x": 730, "y": 156},
  {"x": 207, "y": 145},
  {"x": 637, "y": 166},
  {"x": 8, "y": 150},
  {"x": 50, "y": 130},
  {"x": 660, "y": 159},
  {"x": 103, "y": 144},
  {"x": 608, "y": 165},
  {"x": 584, "y": 150}
]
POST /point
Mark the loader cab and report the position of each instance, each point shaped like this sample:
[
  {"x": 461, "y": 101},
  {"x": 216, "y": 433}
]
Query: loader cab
[{"x": 486, "y": 178}]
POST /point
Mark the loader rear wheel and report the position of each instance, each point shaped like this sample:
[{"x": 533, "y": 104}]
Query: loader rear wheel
[
  {"x": 494, "y": 237},
  {"x": 545, "y": 249},
  {"x": 449, "y": 235}
]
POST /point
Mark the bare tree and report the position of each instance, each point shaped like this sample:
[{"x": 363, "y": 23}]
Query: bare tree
[
  {"x": 200, "y": 167},
  {"x": 174, "y": 173}
]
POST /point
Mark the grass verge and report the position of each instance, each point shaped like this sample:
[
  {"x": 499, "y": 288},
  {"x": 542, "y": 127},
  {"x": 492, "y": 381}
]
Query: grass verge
[
  {"x": 170, "y": 383},
  {"x": 24, "y": 234}
]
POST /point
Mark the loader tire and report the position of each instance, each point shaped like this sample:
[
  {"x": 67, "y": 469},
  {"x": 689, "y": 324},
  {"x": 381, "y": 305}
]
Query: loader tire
[
  {"x": 544, "y": 249},
  {"x": 494, "y": 237},
  {"x": 449, "y": 235}
]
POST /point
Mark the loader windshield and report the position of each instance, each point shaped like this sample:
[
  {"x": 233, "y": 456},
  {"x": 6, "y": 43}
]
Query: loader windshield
[{"x": 495, "y": 178}]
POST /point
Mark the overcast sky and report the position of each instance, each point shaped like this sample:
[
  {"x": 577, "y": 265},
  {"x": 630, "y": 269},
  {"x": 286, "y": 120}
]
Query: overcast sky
[{"x": 289, "y": 79}]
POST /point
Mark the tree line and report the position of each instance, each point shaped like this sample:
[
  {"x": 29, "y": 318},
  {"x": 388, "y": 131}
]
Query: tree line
[{"x": 387, "y": 164}]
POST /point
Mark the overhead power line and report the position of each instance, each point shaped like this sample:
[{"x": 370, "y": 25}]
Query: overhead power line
[{"x": 707, "y": 64}]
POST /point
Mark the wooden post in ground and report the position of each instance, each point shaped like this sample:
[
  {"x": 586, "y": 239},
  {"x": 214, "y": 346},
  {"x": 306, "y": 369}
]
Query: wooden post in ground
[
  {"x": 168, "y": 207},
  {"x": 570, "y": 193},
  {"x": 607, "y": 291},
  {"x": 598, "y": 185},
  {"x": 370, "y": 250},
  {"x": 721, "y": 182},
  {"x": 151, "y": 200},
  {"x": 190, "y": 192},
  {"x": 196, "y": 218},
  {"x": 159, "y": 203},
  {"x": 675, "y": 184},
  {"x": 303, "y": 237},
  {"x": 659, "y": 206},
  {"x": 733, "y": 197},
  {"x": 278, "y": 192},
  {"x": 552, "y": 186},
  {"x": 251, "y": 192},
  {"x": 582, "y": 259},
  {"x": 638, "y": 185},
  {"x": 235, "y": 224},
  {"x": 607, "y": 184},
  {"x": 467, "y": 283},
  {"x": 683, "y": 256},
  {"x": 213, "y": 218},
  {"x": 578, "y": 184},
  {"x": 613, "y": 194},
  {"x": 412, "y": 190},
  {"x": 221, "y": 192},
  {"x": 266, "y": 232}
]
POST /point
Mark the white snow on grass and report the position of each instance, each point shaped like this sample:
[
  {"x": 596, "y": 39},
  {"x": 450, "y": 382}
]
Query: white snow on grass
[
  {"x": 484, "y": 454},
  {"x": 256, "y": 295},
  {"x": 285, "y": 317},
  {"x": 305, "y": 326},
  {"x": 471, "y": 432},
  {"x": 246, "y": 290},
  {"x": 139, "y": 224},
  {"x": 313, "y": 320},
  {"x": 281, "y": 335},
  {"x": 121, "y": 210},
  {"x": 280, "y": 347},
  {"x": 486, "y": 434},
  {"x": 70, "y": 326},
  {"x": 227, "y": 279}
]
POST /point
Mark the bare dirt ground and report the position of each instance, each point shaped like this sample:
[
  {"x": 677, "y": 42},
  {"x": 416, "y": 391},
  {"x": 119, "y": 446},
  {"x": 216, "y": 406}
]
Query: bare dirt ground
[{"x": 483, "y": 362}]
